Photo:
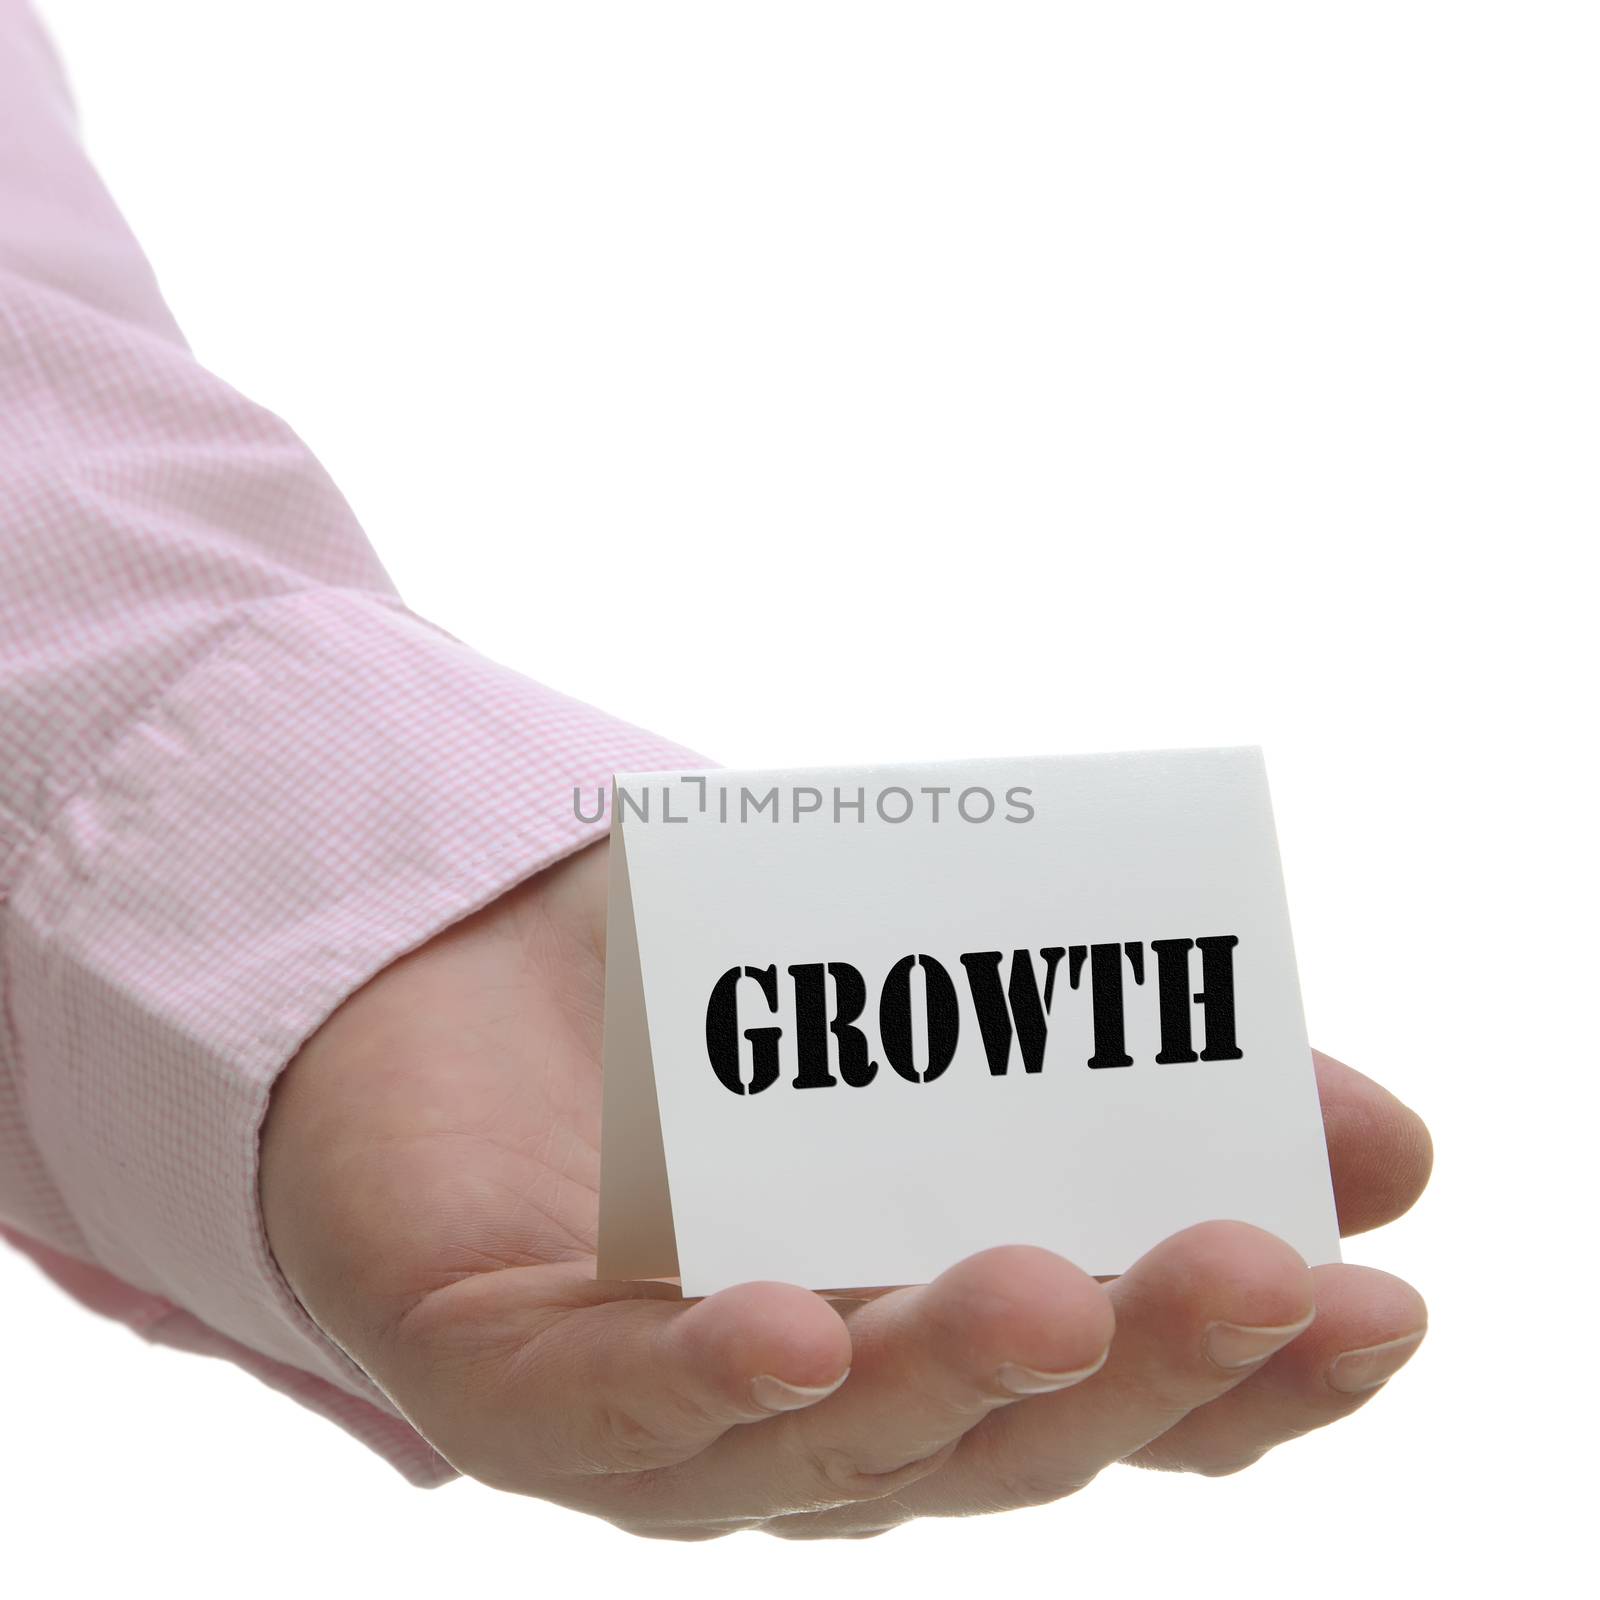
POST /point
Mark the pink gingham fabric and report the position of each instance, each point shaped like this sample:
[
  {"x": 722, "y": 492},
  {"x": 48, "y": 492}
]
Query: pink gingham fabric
[{"x": 237, "y": 778}]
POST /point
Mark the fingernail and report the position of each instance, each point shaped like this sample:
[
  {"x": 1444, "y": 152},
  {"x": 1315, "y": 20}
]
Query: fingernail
[
  {"x": 1230, "y": 1345},
  {"x": 1356, "y": 1370},
  {"x": 1017, "y": 1379},
  {"x": 773, "y": 1394}
]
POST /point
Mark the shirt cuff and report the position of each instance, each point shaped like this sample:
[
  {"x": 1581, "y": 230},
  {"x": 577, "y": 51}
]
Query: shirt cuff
[{"x": 326, "y": 786}]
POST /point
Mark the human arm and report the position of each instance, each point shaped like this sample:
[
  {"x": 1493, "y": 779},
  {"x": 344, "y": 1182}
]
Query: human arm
[{"x": 237, "y": 778}]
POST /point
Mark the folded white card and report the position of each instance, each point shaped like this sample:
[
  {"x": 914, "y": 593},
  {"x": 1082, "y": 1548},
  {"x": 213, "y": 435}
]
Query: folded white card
[{"x": 863, "y": 1022}]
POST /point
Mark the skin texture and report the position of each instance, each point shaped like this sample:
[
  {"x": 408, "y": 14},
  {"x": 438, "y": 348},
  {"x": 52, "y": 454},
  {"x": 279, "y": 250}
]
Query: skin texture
[{"x": 430, "y": 1177}]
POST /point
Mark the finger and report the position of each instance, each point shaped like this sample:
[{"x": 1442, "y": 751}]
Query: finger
[
  {"x": 1368, "y": 1326},
  {"x": 1195, "y": 1316},
  {"x": 541, "y": 1375},
  {"x": 927, "y": 1363},
  {"x": 1379, "y": 1150}
]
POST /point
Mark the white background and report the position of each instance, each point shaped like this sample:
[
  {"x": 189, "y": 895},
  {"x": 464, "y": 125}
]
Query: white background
[{"x": 870, "y": 381}]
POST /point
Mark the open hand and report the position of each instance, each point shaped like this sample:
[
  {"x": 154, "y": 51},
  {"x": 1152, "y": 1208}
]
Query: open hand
[{"x": 430, "y": 1177}]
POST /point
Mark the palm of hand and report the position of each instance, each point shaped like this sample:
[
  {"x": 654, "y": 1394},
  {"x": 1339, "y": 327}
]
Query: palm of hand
[{"x": 430, "y": 1176}]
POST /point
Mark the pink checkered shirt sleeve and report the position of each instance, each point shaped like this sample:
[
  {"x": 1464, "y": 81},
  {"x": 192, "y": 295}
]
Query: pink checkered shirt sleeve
[{"x": 237, "y": 777}]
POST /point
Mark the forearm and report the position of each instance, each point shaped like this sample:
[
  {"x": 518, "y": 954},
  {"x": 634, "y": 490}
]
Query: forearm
[{"x": 237, "y": 776}]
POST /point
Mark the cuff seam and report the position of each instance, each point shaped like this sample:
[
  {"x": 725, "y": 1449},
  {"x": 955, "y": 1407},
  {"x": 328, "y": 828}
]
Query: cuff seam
[{"x": 207, "y": 647}]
